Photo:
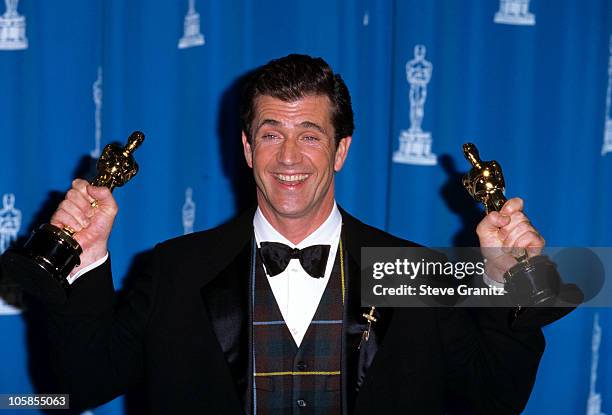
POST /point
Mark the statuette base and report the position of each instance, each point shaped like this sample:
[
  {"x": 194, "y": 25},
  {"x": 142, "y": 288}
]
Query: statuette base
[
  {"x": 415, "y": 148},
  {"x": 38, "y": 272}
]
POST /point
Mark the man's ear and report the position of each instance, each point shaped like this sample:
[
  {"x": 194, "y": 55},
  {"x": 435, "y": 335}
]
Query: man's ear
[
  {"x": 342, "y": 152},
  {"x": 248, "y": 150}
]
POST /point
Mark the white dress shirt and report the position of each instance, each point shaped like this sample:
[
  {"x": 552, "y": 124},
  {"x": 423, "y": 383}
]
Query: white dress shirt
[
  {"x": 297, "y": 293},
  {"x": 97, "y": 263}
]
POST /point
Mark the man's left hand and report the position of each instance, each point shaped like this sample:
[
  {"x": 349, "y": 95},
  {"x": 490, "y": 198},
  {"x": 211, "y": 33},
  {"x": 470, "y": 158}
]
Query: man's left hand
[{"x": 506, "y": 235}]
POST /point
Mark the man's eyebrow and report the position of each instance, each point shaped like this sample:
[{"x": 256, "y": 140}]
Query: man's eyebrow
[
  {"x": 310, "y": 124},
  {"x": 268, "y": 121},
  {"x": 303, "y": 124}
]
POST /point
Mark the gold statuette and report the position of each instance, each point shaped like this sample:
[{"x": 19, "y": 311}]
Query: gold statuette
[
  {"x": 485, "y": 181},
  {"x": 42, "y": 265},
  {"x": 533, "y": 280},
  {"x": 116, "y": 165}
]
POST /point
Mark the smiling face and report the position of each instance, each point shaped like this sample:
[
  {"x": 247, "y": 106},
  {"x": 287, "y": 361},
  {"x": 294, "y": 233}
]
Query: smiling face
[{"x": 294, "y": 156}]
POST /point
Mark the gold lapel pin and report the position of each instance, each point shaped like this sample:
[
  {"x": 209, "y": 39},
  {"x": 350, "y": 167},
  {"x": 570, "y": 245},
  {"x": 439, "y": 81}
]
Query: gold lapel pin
[{"x": 371, "y": 319}]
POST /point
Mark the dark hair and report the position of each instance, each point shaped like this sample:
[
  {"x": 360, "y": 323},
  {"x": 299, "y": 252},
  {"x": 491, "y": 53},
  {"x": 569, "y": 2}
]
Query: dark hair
[{"x": 293, "y": 77}]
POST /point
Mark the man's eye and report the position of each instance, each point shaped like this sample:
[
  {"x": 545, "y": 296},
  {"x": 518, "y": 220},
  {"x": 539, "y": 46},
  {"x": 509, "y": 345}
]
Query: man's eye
[
  {"x": 311, "y": 138},
  {"x": 269, "y": 136}
]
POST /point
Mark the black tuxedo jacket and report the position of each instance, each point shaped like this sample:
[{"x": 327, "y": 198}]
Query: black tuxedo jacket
[{"x": 183, "y": 332}]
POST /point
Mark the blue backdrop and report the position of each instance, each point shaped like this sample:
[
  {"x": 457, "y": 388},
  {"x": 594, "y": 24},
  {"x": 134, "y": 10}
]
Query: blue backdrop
[{"x": 528, "y": 81}]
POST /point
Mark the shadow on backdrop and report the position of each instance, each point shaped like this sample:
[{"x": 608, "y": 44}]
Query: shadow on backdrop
[
  {"x": 229, "y": 132},
  {"x": 459, "y": 202}
]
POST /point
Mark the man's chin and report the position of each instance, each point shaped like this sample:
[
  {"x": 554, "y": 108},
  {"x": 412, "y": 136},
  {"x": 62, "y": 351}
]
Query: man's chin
[
  {"x": 290, "y": 209},
  {"x": 291, "y": 213}
]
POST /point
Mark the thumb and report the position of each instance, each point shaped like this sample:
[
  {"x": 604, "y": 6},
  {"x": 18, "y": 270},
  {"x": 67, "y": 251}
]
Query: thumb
[
  {"x": 489, "y": 227},
  {"x": 99, "y": 193},
  {"x": 493, "y": 221},
  {"x": 104, "y": 199}
]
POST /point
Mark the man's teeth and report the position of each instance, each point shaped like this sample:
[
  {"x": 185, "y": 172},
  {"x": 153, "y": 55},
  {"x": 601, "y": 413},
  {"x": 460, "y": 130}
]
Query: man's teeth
[{"x": 293, "y": 178}]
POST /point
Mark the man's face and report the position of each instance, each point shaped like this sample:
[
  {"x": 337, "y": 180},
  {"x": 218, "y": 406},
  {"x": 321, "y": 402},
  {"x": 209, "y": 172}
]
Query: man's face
[{"x": 294, "y": 156}]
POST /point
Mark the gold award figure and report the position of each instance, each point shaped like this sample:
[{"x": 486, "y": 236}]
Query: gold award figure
[
  {"x": 42, "y": 265},
  {"x": 532, "y": 281},
  {"x": 116, "y": 165},
  {"x": 485, "y": 181}
]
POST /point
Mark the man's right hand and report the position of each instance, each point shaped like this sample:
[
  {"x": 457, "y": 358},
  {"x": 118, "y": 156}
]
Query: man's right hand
[{"x": 92, "y": 225}]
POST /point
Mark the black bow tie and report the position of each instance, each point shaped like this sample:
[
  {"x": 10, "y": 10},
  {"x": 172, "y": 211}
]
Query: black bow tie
[{"x": 276, "y": 257}]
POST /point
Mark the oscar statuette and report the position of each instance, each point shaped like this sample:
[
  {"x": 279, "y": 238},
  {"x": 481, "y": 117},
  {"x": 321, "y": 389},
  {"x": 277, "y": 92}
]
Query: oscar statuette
[
  {"x": 44, "y": 262},
  {"x": 533, "y": 281}
]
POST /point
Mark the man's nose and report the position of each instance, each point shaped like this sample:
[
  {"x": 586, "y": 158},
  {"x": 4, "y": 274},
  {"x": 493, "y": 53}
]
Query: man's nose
[{"x": 289, "y": 152}]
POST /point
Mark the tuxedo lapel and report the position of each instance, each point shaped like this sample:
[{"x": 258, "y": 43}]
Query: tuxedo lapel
[
  {"x": 225, "y": 295},
  {"x": 226, "y": 299},
  {"x": 359, "y": 355}
]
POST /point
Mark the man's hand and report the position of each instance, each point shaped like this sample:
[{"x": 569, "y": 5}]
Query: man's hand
[
  {"x": 505, "y": 235},
  {"x": 92, "y": 225}
]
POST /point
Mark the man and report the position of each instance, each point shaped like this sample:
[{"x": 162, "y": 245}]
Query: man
[{"x": 230, "y": 321}]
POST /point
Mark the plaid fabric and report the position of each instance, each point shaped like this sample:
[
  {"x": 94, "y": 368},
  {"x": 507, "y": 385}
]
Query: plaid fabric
[{"x": 288, "y": 379}]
